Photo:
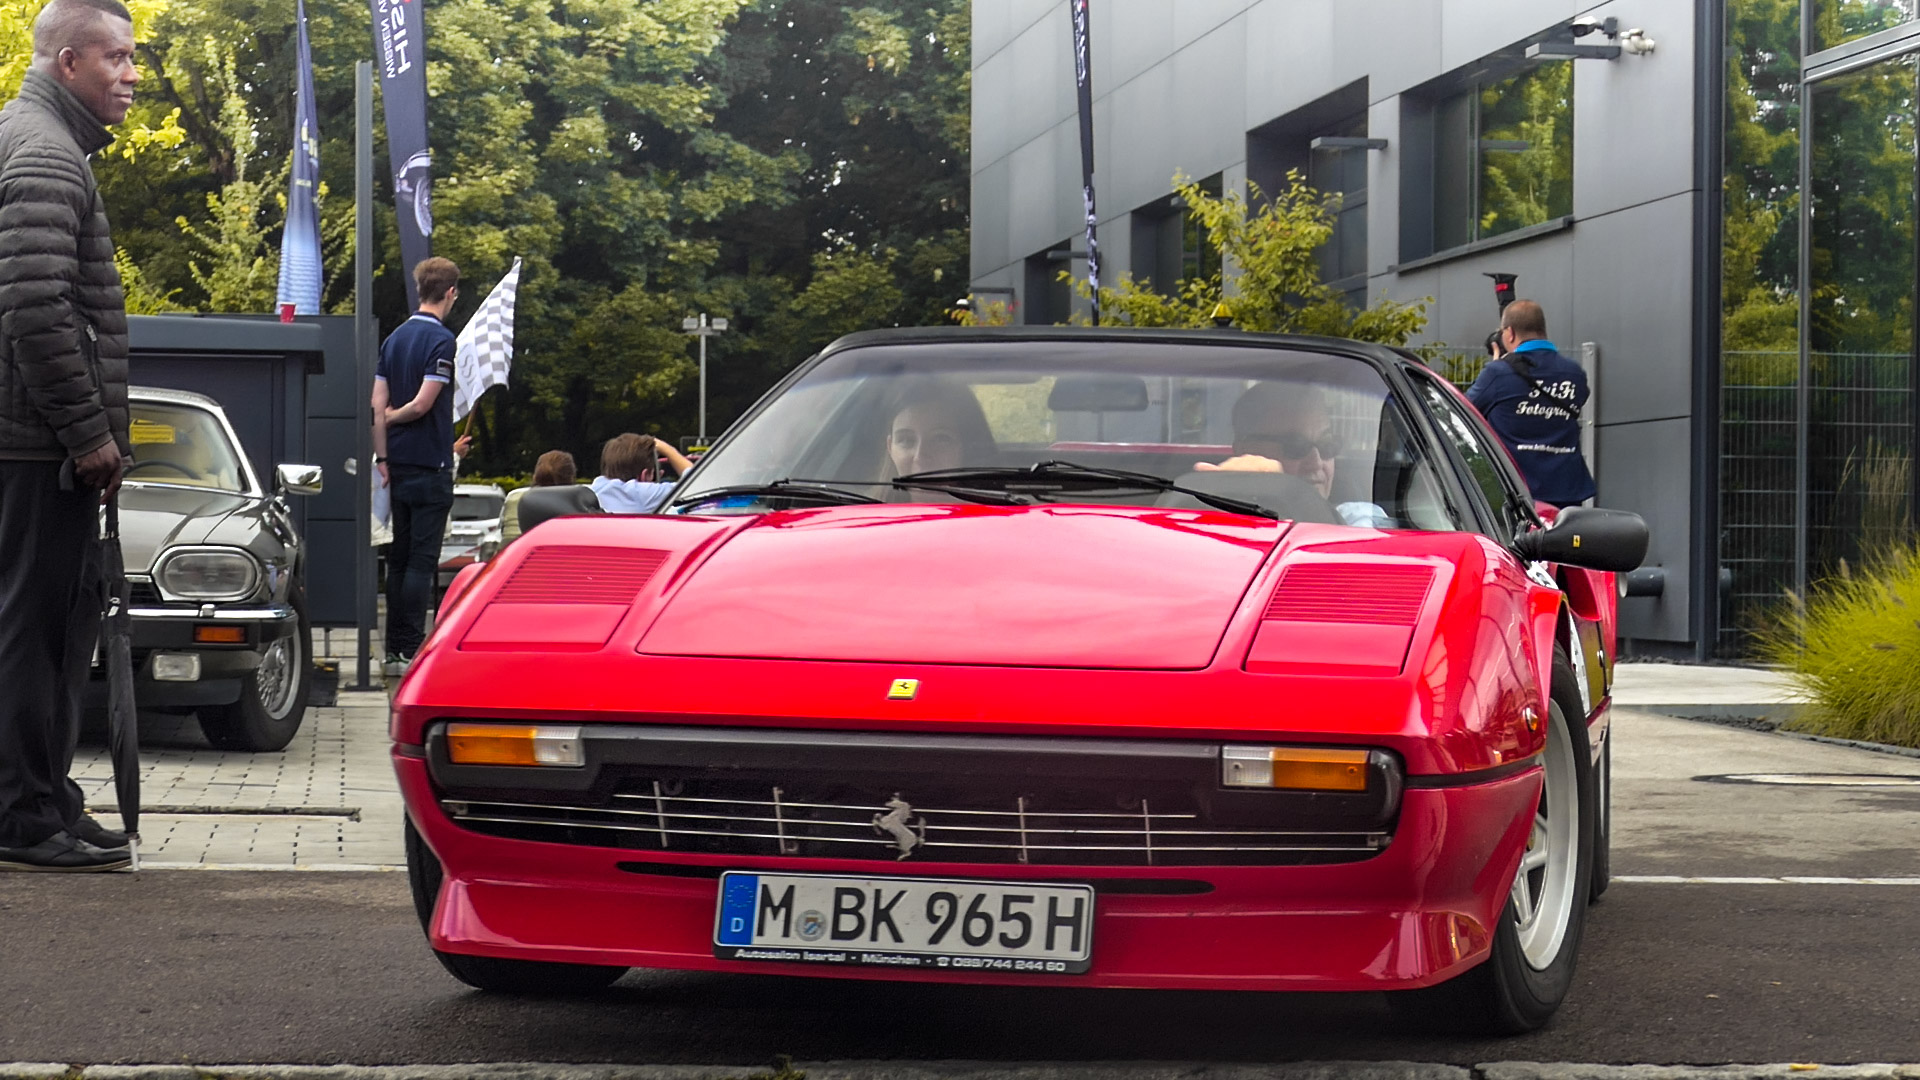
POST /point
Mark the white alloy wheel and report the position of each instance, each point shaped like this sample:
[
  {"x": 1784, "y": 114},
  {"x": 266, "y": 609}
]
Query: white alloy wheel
[{"x": 1543, "y": 890}]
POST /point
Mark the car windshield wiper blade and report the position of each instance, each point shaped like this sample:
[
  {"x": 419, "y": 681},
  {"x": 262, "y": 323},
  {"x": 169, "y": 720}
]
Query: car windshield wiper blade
[
  {"x": 1033, "y": 480},
  {"x": 817, "y": 491},
  {"x": 987, "y": 496}
]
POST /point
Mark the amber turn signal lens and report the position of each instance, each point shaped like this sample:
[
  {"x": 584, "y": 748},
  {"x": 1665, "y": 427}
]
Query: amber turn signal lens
[
  {"x": 220, "y": 635},
  {"x": 1294, "y": 768},
  {"x": 512, "y": 744}
]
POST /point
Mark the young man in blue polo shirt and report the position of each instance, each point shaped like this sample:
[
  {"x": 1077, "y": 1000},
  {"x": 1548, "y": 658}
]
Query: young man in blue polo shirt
[
  {"x": 1532, "y": 397},
  {"x": 413, "y": 449}
]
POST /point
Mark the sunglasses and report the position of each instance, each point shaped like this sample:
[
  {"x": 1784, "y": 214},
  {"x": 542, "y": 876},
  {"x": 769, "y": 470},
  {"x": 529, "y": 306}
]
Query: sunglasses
[{"x": 1292, "y": 446}]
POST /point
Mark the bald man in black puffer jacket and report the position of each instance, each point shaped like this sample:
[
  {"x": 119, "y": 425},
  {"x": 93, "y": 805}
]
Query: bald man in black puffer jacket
[{"x": 63, "y": 421}]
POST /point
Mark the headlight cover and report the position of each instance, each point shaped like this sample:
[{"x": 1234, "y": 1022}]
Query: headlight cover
[{"x": 208, "y": 574}]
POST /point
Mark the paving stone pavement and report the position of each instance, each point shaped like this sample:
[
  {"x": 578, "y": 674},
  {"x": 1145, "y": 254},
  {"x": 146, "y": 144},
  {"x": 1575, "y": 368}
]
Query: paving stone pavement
[{"x": 326, "y": 802}]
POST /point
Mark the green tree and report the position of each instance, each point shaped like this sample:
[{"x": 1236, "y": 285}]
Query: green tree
[
  {"x": 1276, "y": 284},
  {"x": 797, "y": 165}
]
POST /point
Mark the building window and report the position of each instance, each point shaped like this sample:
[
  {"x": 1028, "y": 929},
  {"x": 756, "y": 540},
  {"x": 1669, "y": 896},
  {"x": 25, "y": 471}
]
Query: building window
[
  {"x": 1759, "y": 319},
  {"x": 1502, "y": 156},
  {"x": 1170, "y": 245},
  {"x": 1342, "y": 171},
  {"x": 1836, "y": 22},
  {"x": 1860, "y": 331}
]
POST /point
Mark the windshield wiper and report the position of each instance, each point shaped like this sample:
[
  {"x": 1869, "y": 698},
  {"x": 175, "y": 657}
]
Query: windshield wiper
[
  {"x": 814, "y": 491},
  {"x": 1045, "y": 478}
]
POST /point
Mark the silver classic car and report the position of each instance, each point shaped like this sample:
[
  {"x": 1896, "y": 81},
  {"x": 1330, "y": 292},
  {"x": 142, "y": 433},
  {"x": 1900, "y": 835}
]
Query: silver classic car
[{"x": 217, "y": 576}]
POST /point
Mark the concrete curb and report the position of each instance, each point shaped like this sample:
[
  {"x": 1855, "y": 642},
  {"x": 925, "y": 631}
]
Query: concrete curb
[
  {"x": 1733, "y": 716},
  {"x": 1530, "y": 1070},
  {"x": 968, "y": 1070}
]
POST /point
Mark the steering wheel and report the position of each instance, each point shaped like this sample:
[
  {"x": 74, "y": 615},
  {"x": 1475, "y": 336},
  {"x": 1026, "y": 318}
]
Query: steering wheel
[{"x": 168, "y": 465}]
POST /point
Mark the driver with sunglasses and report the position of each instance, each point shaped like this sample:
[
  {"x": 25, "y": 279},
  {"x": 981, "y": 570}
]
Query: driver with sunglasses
[{"x": 1287, "y": 428}]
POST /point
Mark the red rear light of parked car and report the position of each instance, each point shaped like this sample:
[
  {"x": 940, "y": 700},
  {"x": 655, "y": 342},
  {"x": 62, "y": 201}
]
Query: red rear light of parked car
[{"x": 1341, "y": 619}]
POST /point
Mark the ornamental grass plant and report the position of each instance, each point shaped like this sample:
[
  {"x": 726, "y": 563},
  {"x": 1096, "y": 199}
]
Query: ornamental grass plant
[{"x": 1853, "y": 645}]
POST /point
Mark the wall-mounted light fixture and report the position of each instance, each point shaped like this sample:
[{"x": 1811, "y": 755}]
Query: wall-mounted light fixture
[
  {"x": 1634, "y": 41},
  {"x": 1567, "y": 50},
  {"x": 1346, "y": 142}
]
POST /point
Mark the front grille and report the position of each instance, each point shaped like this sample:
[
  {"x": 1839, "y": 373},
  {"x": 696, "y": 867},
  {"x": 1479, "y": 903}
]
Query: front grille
[
  {"x": 733, "y": 817},
  {"x": 142, "y": 592}
]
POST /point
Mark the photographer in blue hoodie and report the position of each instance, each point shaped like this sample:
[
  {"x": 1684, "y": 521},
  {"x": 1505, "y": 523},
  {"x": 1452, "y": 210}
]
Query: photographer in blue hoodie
[{"x": 1532, "y": 397}]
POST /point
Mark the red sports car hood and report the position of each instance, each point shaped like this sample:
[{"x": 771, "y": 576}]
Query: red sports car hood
[{"x": 1053, "y": 586}]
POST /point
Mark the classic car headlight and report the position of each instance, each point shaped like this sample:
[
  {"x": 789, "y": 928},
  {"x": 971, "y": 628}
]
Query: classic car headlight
[{"x": 208, "y": 574}]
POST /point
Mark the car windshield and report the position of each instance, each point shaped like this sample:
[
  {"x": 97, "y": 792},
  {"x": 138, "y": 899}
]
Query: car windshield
[
  {"x": 180, "y": 444},
  {"x": 477, "y": 507},
  {"x": 1304, "y": 435}
]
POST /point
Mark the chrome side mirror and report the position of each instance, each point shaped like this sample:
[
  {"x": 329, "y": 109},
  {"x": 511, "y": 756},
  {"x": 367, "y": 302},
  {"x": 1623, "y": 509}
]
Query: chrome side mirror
[{"x": 297, "y": 479}]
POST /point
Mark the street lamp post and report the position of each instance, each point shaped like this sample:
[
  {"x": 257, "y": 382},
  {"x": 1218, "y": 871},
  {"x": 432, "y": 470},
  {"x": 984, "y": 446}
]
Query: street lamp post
[{"x": 703, "y": 328}]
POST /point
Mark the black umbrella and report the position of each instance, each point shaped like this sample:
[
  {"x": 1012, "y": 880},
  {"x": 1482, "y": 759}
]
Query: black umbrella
[{"x": 123, "y": 729}]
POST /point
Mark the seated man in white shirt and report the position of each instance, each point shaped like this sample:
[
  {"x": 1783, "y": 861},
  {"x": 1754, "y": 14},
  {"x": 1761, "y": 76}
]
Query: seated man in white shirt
[{"x": 1287, "y": 428}]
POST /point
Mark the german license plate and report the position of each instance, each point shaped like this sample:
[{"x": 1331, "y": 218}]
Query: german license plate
[{"x": 925, "y": 923}]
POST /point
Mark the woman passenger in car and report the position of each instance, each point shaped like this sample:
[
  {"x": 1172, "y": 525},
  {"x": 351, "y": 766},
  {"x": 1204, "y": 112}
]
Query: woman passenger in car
[
  {"x": 938, "y": 424},
  {"x": 554, "y": 469}
]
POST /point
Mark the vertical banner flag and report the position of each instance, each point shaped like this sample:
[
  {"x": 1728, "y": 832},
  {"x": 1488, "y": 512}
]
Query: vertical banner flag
[
  {"x": 300, "y": 245},
  {"x": 400, "y": 51},
  {"x": 483, "y": 354},
  {"x": 1083, "y": 78}
]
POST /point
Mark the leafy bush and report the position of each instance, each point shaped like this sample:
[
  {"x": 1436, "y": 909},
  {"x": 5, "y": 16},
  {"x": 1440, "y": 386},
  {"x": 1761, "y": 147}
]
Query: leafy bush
[
  {"x": 1853, "y": 645},
  {"x": 1274, "y": 247},
  {"x": 507, "y": 483}
]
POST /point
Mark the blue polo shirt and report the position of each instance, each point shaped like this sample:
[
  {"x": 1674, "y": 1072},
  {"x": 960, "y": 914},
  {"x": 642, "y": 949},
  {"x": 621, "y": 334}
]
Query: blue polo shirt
[
  {"x": 420, "y": 351},
  {"x": 1541, "y": 429}
]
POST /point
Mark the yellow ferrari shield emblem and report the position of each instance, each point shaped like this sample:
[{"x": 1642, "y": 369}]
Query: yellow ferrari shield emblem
[{"x": 903, "y": 690}]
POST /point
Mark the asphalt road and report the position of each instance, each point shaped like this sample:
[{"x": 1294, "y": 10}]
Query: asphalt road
[{"x": 330, "y": 967}]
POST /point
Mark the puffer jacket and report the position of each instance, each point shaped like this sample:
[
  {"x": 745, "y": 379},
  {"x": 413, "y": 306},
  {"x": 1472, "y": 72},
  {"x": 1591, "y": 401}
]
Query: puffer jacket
[{"x": 63, "y": 316}]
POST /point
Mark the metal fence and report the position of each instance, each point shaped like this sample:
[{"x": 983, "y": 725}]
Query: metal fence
[
  {"x": 1859, "y": 443},
  {"x": 1459, "y": 365}
]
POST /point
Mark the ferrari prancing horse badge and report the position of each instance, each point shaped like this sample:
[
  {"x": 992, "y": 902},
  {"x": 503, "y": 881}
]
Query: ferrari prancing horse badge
[{"x": 903, "y": 690}]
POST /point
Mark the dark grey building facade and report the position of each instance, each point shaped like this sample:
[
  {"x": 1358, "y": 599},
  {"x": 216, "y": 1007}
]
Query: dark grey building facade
[{"x": 1639, "y": 164}]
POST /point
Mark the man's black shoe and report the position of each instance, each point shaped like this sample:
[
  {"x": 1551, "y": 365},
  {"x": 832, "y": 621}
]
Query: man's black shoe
[
  {"x": 61, "y": 853},
  {"x": 90, "y": 831}
]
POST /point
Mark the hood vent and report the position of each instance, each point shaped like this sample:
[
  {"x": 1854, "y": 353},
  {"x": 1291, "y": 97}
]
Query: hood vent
[
  {"x": 1380, "y": 595},
  {"x": 1341, "y": 619},
  {"x": 581, "y": 575}
]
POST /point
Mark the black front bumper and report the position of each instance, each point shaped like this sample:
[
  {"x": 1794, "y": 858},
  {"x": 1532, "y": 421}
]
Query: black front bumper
[
  {"x": 988, "y": 799},
  {"x": 223, "y": 667}
]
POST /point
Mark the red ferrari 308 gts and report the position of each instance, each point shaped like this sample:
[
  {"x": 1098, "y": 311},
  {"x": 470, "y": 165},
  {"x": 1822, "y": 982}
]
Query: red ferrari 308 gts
[{"x": 1106, "y": 658}]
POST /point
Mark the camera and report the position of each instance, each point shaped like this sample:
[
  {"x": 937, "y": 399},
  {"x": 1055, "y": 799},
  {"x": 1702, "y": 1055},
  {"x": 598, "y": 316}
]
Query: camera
[{"x": 1588, "y": 24}]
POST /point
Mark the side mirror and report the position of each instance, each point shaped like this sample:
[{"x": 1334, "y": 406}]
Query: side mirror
[
  {"x": 297, "y": 479},
  {"x": 1590, "y": 538}
]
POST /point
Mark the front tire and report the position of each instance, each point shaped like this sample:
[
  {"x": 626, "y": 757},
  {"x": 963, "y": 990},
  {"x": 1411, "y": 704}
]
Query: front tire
[
  {"x": 273, "y": 696},
  {"x": 1530, "y": 969},
  {"x": 487, "y": 972}
]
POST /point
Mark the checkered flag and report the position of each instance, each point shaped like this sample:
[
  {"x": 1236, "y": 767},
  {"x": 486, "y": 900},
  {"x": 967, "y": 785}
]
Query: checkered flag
[{"x": 485, "y": 354}]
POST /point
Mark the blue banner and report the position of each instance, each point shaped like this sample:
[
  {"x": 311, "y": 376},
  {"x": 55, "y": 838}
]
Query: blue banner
[
  {"x": 1083, "y": 90},
  {"x": 400, "y": 52},
  {"x": 300, "y": 270}
]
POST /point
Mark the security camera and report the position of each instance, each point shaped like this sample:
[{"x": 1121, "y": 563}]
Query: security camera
[{"x": 1587, "y": 24}]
